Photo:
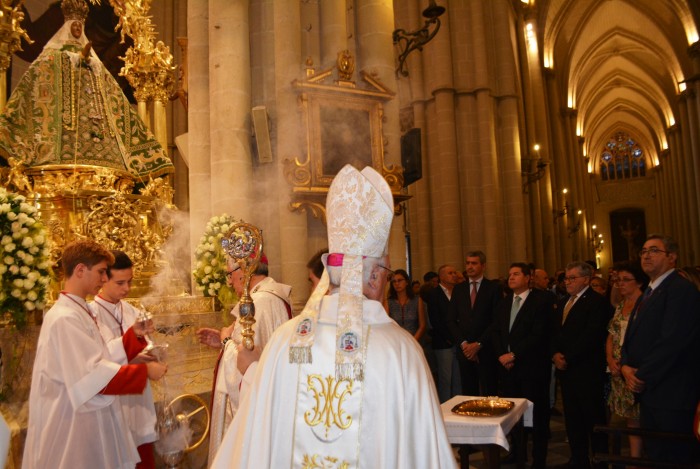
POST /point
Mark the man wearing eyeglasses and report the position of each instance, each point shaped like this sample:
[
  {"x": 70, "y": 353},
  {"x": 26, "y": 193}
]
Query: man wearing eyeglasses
[
  {"x": 579, "y": 332},
  {"x": 272, "y": 308},
  {"x": 659, "y": 353}
]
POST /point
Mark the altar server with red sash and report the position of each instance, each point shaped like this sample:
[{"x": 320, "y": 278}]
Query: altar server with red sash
[{"x": 75, "y": 417}]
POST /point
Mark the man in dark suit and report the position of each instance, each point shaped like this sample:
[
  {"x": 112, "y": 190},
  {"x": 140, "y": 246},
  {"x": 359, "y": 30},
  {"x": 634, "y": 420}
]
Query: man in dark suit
[
  {"x": 438, "y": 301},
  {"x": 579, "y": 332},
  {"x": 520, "y": 336},
  {"x": 659, "y": 354},
  {"x": 470, "y": 316}
]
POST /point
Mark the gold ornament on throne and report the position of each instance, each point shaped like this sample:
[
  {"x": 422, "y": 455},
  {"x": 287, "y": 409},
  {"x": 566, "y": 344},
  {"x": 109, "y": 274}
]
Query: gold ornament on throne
[
  {"x": 244, "y": 244},
  {"x": 87, "y": 189}
]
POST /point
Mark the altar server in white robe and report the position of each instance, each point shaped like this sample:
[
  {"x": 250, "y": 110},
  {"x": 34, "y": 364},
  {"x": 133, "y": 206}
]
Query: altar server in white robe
[
  {"x": 115, "y": 316},
  {"x": 75, "y": 418},
  {"x": 342, "y": 385},
  {"x": 272, "y": 308}
]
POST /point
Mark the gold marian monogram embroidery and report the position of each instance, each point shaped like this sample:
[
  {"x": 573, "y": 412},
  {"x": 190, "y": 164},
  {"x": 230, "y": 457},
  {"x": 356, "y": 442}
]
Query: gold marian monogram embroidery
[
  {"x": 329, "y": 462},
  {"x": 329, "y": 396}
]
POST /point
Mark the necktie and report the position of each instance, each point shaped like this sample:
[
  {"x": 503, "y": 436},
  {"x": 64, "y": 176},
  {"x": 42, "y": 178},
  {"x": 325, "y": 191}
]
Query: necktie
[
  {"x": 567, "y": 308},
  {"x": 645, "y": 296},
  {"x": 473, "y": 293},
  {"x": 514, "y": 310}
]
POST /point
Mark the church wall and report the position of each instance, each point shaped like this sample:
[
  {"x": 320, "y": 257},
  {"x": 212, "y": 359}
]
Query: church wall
[{"x": 199, "y": 119}]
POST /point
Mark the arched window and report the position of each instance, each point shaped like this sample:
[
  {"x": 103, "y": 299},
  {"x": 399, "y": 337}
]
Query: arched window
[{"x": 622, "y": 158}]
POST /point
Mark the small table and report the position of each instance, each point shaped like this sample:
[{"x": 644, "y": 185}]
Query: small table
[{"x": 488, "y": 431}]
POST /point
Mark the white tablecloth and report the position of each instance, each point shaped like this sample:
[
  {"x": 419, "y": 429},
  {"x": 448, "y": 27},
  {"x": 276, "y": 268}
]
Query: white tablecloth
[{"x": 484, "y": 430}]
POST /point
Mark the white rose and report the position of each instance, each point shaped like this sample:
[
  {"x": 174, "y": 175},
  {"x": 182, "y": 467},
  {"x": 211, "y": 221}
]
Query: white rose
[
  {"x": 214, "y": 262},
  {"x": 29, "y": 305},
  {"x": 211, "y": 292},
  {"x": 20, "y": 254},
  {"x": 14, "y": 270},
  {"x": 9, "y": 260},
  {"x": 33, "y": 275},
  {"x": 28, "y": 284},
  {"x": 24, "y": 230},
  {"x": 24, "y": 270},
  {"x": 32, "y": 295},
  {"x": 16, "y": 293},
  {"x": 4, "y": 208},
  {"x": 207, "y": 270},
  {"x": 27, "y": 242},
  {"x": 26, "y": 208},
  {"x": 15, "y": 226},
  {"x": 29, "y": 259},
  {"x": 10, "y": 247},
  {"x": 18, "y": 282},
  {"x": 44, "y": 281},
  {"x": 34, "y": 250},
  {"x": 6, "y": 240},
  {"x": 39, "y": 239},
  {"x": 211, "y": 239},
  {"x": 12, "y": 216}
]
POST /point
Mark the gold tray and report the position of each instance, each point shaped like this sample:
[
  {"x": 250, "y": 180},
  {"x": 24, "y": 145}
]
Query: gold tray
[{"x": 483, "y": 407}]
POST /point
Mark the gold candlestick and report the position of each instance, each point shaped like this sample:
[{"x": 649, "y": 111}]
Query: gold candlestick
[{"x": 244, "y": 243}]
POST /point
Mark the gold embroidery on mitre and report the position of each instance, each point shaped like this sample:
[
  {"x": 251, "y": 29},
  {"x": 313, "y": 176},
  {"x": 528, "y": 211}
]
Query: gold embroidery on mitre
[
  {"x": 329, "y": 396},
  {"x": 329, "y": 462}
]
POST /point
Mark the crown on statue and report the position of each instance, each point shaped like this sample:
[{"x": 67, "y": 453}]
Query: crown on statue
[{"x": 74, "y": 10}]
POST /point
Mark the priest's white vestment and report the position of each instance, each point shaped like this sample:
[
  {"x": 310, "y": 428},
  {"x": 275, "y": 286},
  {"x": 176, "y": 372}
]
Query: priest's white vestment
[
  {"x": 71, "y": 424},
  {"x": 300, "y": 415},
  {"x": 139, "y": 409},
  {"x": 269, "y": 298}
]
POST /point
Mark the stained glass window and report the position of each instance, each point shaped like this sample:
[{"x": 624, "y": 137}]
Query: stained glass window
[{"x": 622, "y": 158}]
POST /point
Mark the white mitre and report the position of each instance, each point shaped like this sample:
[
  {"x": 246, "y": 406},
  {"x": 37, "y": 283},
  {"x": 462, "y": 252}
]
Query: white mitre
[{"x": 359, "y": 211}]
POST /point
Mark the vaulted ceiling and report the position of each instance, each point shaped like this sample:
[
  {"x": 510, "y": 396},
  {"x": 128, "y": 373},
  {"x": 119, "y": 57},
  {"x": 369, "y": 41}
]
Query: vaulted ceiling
[{"x": 621, "y": 64}]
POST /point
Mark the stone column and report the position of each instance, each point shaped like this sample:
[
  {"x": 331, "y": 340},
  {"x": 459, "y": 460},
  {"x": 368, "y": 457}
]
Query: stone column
[
  {"x": 229, "y": 82},
  {"x": 509, "y": 161},
  {"x": 198, "y": 118},
  {"x": 482, "y": 213},
  {"x": 334, "y": 34},
  {"x": 420, "y": 213},
  {"x": 680, "y": 192},
  {"x": 687, "y": 208},
  {"x": 558, "y": 166},
  {"x": 294, "y": 244},
  {"x": 375, "y": 54}
]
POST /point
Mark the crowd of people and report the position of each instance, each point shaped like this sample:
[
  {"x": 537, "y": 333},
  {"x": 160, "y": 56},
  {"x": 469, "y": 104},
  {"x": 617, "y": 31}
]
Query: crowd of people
[
  {"x": 354, "y": 379},
  {"x": 617, "y": 347}
]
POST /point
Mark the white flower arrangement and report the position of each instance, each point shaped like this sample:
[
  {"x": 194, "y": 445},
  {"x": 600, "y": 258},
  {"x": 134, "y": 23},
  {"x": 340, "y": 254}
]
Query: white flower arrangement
[
  {"x": 210, "y": 268},
  {"x": 24, "y": 258}
]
